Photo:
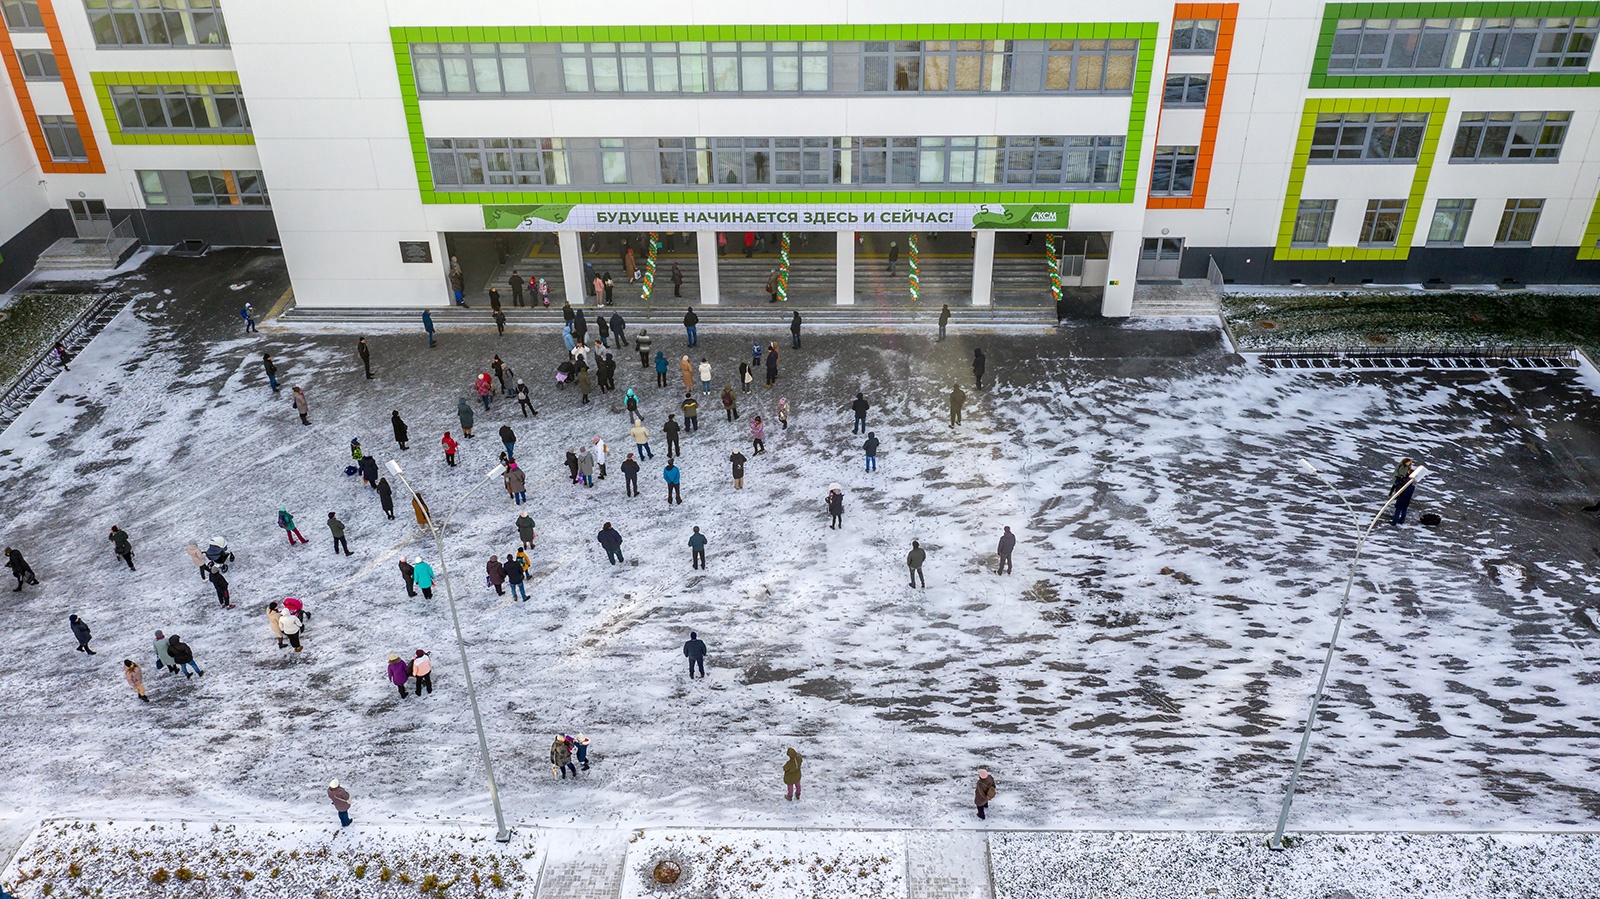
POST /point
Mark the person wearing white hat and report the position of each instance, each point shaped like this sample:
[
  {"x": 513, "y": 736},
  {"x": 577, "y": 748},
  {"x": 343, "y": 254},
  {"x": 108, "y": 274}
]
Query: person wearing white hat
[{"x": 340, "y": 797}]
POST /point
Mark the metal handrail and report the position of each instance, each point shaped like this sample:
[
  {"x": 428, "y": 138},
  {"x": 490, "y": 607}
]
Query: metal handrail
[{"x": 31, "y": 376}]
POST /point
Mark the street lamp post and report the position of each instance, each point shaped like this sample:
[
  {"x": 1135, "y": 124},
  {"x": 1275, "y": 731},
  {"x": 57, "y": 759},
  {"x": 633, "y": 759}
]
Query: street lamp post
[
  {"x": 1276, "y": 842},
  {"x": 437, "y": 529}
]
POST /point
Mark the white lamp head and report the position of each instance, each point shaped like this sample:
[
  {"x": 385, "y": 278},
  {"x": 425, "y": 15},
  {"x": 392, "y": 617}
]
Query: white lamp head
[
  {"x": 1418, "y": 472},
  {"x": 496, "y": 471},
  {"x": 1307, "y": 467},
  {"x": 394, "y": 466}
]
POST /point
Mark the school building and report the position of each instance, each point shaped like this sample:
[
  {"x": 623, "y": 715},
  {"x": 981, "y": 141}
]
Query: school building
[{"x": 836, "y": 151}]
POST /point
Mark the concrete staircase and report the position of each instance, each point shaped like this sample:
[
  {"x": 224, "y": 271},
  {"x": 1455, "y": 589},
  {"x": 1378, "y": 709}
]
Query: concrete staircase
[
  {"x": 86, "y": 253},
  {"x": 1191, "y": 297}
]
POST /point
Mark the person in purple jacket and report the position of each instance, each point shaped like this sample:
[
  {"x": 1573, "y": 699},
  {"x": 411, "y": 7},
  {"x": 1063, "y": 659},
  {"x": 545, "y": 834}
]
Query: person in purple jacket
[{"x": 399, "y": 673}]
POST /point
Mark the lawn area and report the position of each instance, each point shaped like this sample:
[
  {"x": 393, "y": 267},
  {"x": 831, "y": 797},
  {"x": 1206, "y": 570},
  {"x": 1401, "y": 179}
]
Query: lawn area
[
  {"x": 1367, "y": 319},
  {"x": 32, "y": 323}
]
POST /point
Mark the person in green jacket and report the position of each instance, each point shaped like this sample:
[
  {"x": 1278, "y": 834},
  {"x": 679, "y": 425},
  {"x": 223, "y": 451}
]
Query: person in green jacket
[
  {"x": 422, "y": 576},
  {"x": 337, "y": 527},
  {"x": 119, "y": 541},
  {"x": 914, "y": 560},
  {"x": 791, "y": 775}
]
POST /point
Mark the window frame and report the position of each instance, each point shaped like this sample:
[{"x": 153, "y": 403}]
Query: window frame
[
  {"x": 1480, "y": 132},
  {"x": 1324, "y": 211},
  {"x": 25, "y": 54},
  {"x": 114, "y": 28},
  {"x": 173, "y": 103},
  {"x": 1188, "y": 85},
  {"x": 242, "y": 189},
  {"x": 1408, "y": 131},
  {"x": 21, "y": 8},
  {"x": 1459, "y": 218},
  {"x": 55, "y": 126},
  {"x": 1369, "y": 46},
  {"x": 1516, "y": 211},
  {"x": 1173, "y": 159},
  {"x": 1191, "y": 29},
  {"x": 1381, "y": 224}
]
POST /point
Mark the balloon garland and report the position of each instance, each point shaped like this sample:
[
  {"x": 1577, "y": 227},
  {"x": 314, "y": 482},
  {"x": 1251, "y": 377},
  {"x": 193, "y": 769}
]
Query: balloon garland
[{"x": 914, "y": 268}]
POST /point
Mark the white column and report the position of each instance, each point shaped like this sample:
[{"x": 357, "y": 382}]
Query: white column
[
  {"x": 571, "y": 266},
  {"x": 982, "y": 268},
  {"x": 1121, "y": 268},
  {"x": 844, "y": 280},
  {"x": 706, "y": 245}
]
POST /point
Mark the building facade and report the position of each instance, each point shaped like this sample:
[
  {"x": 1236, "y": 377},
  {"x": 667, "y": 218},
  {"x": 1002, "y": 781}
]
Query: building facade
[{"x": 1265, "y": 142}]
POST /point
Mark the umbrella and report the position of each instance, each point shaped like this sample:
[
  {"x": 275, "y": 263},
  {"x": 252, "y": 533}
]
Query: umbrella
[{"x": 292, "y": 604}]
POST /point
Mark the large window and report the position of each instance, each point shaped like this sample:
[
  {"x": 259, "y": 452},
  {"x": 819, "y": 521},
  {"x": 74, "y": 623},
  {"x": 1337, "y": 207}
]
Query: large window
[
  {"x": 22, "y": 15},
  {"x": 1450, "y": 221},
  {"x": 1185, "y": 90},
  {"x": 38, "y": 65},
  {"x": 1510, "y": 136},
  {"x": 1091, "y": 162},
  {"x": 1374, "y": 137},
  {"x": 156, "y": 23},
  {"x": 221, "y": 189},
  {"x": 1194, "y": 36},
  {"x": 774, "y": 67},
  {"x": 1313, "y": 223},
  {"x": 62, "y": 137},
  {"x": 180, "y": 107},
  {"x": 1476, "y": 45},
  {"x": 1173, "y": 174},
  {"x": 1381, "y": 225},
  {"x": 1518, "y": 222}
]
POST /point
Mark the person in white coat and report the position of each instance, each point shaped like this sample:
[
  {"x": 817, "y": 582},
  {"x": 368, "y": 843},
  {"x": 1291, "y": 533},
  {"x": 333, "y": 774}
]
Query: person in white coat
[
  {"x": 641, "y": 440},
  {"x": 291, "y": 627},
  {"x": 599, "y": 453},
  {"x": 705, "y": 376}
]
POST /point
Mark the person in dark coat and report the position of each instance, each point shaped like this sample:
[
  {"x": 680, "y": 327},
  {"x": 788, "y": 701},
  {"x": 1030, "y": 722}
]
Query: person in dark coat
[
  {"x": 365, "y": 353},
  {"x": 580, "y": 325},
  {"x": 978, "y": 362},
  {"x": 508, "y": 438},
  {"x": 1402, "y": 489},
  {"x": 124, "y": 548},
  {"x": 572, "y": 463},
  {"x": 515, "y": 576},
  {"x": 870, "y": 447},
  {"x": 271, "y": 370},
  {"x": 612, "y": 541},
  {"x": 630, "y": 475},
  {"x": 19, "y": 569},
  {"x": 386, "y": 497},
  {"x": 772, "y": 366},
  {"x": 408, "y": 572},
  {"x": 336, "y": 527},
  {"x": 694, "y": 649},
  {"x": 427, "y": 325},
  {"x": 602, "y": 327},
  {"x": 183, "y": 654},
  {"x": 691, "y": 327},
  {"x": 835, "y": 504},
  {"x": 516, "y": 284},
  {"x": 1008, "y": 542},
  {"x": 671, "y": 429},
  {"x": 958, "y": 399},
  {"x": 794, "y": 329},
  {"x": 677, "y": 280},
  {"x": 944, "y": 320},
  {"x": 399, "y": 425},
  {"x": 737, "y": 459},
  {"x": 497, "y": 575},
  {"x": 619, "y": 329},
  {"x": 524, "y": 401},
  {"x": 369, "y": 471},
  {"x": 80, "y": 631},
  {"x": 219, "y": 584},
  {"x": 984, "y": 792},
  {"x": 914, "y": 560},
  {"x": 894, "y": 255},
  {"x": 860, "y": 407},
  {"x": 697, "y": 550}
]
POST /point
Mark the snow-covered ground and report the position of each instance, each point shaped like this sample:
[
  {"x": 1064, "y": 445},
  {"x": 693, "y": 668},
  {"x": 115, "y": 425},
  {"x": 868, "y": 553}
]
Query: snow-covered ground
[{"x": 1147, "y": 666}]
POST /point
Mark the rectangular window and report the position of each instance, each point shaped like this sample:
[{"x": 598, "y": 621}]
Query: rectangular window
[
  {"x": 22, "y": 15},
  {"x": 1313, "y": 223},
  {"x": 38, "y": 65},
  {"x": 1173, "y": 173},
  {"x": 1472, "y": 45},
  {"x": 62, "y": 137},
  {"x": 156, "y": 23},
  {"x": 1185, "y": 90},
  {"x": 1381, "y": 225},
  {"x": 1510, "y": 136},
  {"x": 1450, "y": 221},
  {"x": 1194, "y": 36},
  {"x": 179, "y": 107},
  {"x": 1518, "y": 222},
  {"x": 1370, "y": 137},
  {"x": 209, "y": 189}
]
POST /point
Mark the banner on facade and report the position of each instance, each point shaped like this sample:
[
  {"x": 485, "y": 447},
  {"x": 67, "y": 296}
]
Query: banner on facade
[{"x": 742, "y": 217}]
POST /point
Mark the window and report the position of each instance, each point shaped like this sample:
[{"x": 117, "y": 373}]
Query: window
[
  {"x": 1475, "y": 45},
  {"x": 62, "y": 137},
  {"x": 22, "y": 15},
  {"x": 1313, "y": 223},
  {"x": 1173, "y": 175},
  {"x": 38, "y": 65},
  {"x": 1374, "y": 137},
  {"x": 219, "y": 189},
  {"x": 180, "y": 107},
  {"x": 1450, "y": 221},
  {"x": 1518, "y": 222},
  {"x": 1194, "y": 36},
  {"x": 1087, "y": 162},
  {"x": 1186, "y": 90},
  {"x": 156, "y": 23},
  {"x": 1090, "y": 66},
  {"x": 1381, "y": 225},
  {"x": 1510, "y": 136}
]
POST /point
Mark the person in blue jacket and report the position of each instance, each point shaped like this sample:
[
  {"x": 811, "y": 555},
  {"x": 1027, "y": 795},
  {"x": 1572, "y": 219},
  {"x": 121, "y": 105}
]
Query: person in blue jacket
[
  {"x": 672, "y": 476},
  {"x": 427, "y": 325}
]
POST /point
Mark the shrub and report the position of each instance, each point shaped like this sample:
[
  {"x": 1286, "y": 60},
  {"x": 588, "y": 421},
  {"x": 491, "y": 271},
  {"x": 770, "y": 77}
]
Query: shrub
[{"x": 161, "y": 876}]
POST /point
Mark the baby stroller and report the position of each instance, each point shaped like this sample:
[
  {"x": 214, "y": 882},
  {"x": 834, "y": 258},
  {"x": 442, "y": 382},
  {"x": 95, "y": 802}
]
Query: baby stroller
[{"x": 217, "y": 553}]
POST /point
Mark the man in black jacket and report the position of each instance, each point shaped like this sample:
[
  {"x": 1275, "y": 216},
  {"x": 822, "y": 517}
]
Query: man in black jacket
[
  {"x": 612, "y": 541},
  {"x": 671, "y": 429},
  {"x": 694, "y": 649},
  {"x": 860, "y": 407},
  {"x": 630, "y": 475},
  {"x": 1008, "y": 542}
]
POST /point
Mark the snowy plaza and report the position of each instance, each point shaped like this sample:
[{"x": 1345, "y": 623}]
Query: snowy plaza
[{"x": 1146, "y": 667}]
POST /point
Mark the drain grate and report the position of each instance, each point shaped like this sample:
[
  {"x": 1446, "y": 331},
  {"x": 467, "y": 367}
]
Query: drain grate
[{"x": 1531, "y": 357}]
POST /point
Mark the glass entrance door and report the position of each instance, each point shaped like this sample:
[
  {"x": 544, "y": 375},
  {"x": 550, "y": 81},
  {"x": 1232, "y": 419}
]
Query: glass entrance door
[
  {"x": 90, "y": 218},
  {"x": 1160, "y": 258}
]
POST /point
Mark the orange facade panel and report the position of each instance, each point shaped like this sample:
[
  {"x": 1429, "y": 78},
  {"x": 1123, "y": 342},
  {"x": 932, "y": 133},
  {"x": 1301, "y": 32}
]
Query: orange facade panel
[
  {"x": 80, "y": 113},
  {"x": 1227, "y": 15}
]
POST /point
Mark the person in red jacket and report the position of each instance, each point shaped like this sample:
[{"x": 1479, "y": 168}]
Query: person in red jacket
[{"x": 449, "y": 449}]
